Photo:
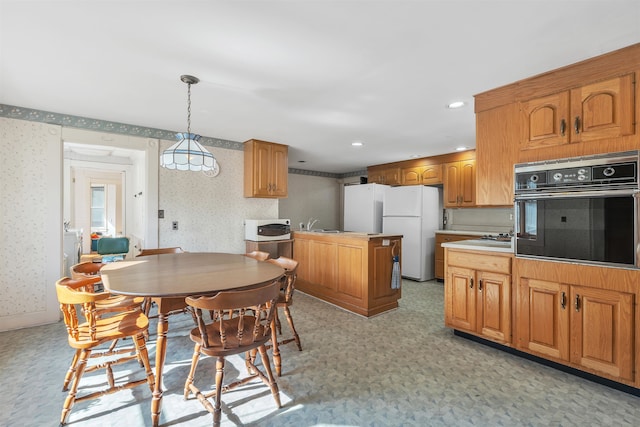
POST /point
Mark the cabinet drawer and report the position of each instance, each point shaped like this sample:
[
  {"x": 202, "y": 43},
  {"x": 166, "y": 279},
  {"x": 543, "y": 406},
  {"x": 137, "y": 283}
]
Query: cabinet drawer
[{"x": 489, "y": 262}]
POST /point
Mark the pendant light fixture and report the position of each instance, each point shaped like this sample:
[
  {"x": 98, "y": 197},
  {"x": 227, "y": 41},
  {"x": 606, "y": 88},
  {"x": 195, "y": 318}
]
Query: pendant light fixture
[{"x": 187, "y": 154}]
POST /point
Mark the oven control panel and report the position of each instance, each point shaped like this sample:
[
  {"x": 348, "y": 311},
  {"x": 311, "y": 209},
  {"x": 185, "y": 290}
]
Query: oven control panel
[{"x": 576, "y": 175}]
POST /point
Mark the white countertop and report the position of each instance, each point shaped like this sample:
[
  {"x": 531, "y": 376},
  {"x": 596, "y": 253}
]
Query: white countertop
[
  {"x": 481, "y": 245},
  {"x": 469, "y": 233}
]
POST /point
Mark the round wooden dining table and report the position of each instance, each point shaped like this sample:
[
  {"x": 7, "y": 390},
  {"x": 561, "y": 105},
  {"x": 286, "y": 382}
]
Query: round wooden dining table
[{"x": 168, "y": 278}]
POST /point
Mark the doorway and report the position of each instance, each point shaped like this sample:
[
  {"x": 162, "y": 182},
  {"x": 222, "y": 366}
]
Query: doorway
[{"x": 122, "y": 169}]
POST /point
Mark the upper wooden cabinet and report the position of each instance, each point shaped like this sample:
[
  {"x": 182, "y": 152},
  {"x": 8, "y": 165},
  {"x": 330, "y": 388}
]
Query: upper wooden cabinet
[
  {"x": 591, "y": 112},
  {"x": 586, "y": 108},
  {"x": 422, "y": 175},
  {"x": 265, "y": 169},
  {"x": 496, "y": 153},
  {"x": 460, "y": 184},
  {"x": 388, "y": 175}
]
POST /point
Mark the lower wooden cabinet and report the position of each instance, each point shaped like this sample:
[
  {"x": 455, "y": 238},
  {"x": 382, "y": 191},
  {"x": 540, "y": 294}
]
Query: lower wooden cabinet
[
  {"x": 350, "y": 270},
  {"x": 478, "y": 300},
  {"x": 592, "y": 328},
  {"x": 571, "y": 318},
  {"x": 439, "y": 250}
]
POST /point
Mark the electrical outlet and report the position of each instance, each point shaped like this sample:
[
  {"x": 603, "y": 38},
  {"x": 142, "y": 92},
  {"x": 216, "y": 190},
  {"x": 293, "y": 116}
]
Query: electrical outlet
[
  {"x": 174, "y": 225},
  {"x": 161, "y": 213}
]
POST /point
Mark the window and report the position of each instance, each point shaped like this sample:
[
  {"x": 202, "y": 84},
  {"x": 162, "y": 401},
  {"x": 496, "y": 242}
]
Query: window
[{"x": 98, "y": 208}]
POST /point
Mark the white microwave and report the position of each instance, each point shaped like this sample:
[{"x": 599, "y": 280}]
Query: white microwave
[{"x": 264, "y": 230}]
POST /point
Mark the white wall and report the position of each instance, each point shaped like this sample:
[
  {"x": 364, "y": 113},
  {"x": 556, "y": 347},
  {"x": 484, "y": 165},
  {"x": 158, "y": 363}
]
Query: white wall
[
  {"x": 313, "y": 196},
  {"x": 30, "y": 222}
]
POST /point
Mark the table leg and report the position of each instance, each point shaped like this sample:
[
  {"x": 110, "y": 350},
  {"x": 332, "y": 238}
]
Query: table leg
[
  {"x": 161, "y": 351},
  {"x": 277, "y": 362}
]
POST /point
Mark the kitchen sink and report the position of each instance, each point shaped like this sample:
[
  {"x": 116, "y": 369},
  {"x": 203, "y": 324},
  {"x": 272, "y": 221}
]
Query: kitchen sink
[{"x": 322, "y": 230}]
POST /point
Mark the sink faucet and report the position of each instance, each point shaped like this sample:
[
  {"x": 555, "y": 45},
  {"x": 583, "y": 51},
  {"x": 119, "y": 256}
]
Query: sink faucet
[{"x": 311, "y": 223}]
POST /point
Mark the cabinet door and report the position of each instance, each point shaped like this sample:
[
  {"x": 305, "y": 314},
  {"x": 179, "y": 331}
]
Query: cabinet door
[
  {"x": 545, "y": 316},
  {"x": 494, "y": 306},
  {"x": 411, "y": 176},
  {"x": 603, "y": 109},
  {"x": 460, "y": 299},
  {"x": 602, "y": 331},
  {"x": 545, "y": 121},
  {"x": 431, "y": 175},
  {"x": 262, "y": 169},
  {"x": 467, "y": 188},
  {"x": 460, "y": 183},
  {"x": 452, "y": 178},
  {"x": 279, "y": 170},
  {"x": 391, "y": 176}
]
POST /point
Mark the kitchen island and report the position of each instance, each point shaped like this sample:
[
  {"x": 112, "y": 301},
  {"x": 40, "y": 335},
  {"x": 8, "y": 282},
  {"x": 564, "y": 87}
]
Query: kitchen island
[{"x": 347, "y": 269}]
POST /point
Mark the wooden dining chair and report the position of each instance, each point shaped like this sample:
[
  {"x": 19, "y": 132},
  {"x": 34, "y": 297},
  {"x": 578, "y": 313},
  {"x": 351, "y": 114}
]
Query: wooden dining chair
[
  {"x": 241, "y": 324},
  {"x": 259, "y": 255},
  {"x": 285, "y": 300},
  {"x": 86, "y": 331},
  {"x": 90, "y": 271},
  {"x": 114, "y": 303}
]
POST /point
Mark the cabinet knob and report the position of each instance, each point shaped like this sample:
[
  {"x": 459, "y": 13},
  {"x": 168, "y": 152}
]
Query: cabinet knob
[
  {"x": 480, "y": 285},
  {"x": 563, "y": 126},
  {"x": 563, "y": 300},
  {"x": 577, "y": 303},
  {"x": 471, "y": 283},
  {"x": 576, "y": 125}
]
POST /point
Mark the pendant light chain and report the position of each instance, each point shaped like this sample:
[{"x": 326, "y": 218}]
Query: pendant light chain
[{"x": 189, "y": 107}]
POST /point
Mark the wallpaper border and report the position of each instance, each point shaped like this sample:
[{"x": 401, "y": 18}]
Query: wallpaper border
[{"x": 32, "y": 115}]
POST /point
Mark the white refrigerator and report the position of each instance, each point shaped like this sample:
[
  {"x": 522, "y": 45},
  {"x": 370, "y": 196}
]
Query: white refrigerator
[
  {"x": 363, "y": 208},
  {"x": 415, "y": 212}
]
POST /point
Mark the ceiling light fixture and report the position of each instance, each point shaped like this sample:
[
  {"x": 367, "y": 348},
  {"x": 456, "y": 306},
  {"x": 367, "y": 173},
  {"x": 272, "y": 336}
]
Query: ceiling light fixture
[
  {"x": 187, "y": 153},
  {"x": 462, "y": 148},
  {"x": 357, "y": 144},
  {"x": 456, "y": 104}
]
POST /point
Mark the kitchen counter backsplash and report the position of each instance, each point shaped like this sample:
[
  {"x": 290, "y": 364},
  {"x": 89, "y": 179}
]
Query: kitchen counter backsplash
[{"x": 493, "y": 220}]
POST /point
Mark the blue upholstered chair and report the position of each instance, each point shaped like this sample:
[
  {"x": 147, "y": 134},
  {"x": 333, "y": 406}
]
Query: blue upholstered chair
[{"x": 113, "y": 246}]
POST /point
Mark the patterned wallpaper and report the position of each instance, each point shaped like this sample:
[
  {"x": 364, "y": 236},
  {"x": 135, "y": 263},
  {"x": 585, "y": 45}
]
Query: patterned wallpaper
[
  {"x": 210, "y": 211},
  {"x": 31, "y": 249}
]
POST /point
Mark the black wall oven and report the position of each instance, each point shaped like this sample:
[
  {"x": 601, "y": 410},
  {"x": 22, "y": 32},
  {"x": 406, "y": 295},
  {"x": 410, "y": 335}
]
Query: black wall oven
[{"x": 580, "y": 209}]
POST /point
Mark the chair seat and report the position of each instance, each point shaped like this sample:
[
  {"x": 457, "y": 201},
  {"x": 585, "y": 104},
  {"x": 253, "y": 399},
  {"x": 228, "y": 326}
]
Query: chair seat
[
  {"x": 109, "y": 328},
  {"x": 119, "y": 303}
]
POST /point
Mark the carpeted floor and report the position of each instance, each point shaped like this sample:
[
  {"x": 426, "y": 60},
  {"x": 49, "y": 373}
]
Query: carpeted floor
[{"x": 401, "y": 368}]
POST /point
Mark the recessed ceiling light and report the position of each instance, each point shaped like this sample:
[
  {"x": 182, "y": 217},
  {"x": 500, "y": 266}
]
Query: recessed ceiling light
[
  {"x": 414, "y": 156},
  {"x": 456, "y": 104},
  {"x": 461, "y": 148},
  {"x": 357, "y": 144}
]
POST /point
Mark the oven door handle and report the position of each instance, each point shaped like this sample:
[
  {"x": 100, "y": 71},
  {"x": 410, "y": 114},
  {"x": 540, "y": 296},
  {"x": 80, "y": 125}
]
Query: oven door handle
[{"x": 572, "y": 194}]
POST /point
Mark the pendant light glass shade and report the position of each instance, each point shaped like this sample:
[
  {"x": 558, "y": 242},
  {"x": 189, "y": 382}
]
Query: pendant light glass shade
[{"x": 187, "y": 154}]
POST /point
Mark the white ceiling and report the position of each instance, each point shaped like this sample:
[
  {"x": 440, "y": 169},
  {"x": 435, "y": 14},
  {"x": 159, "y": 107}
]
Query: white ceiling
[{"x": 316, "y": 75}]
